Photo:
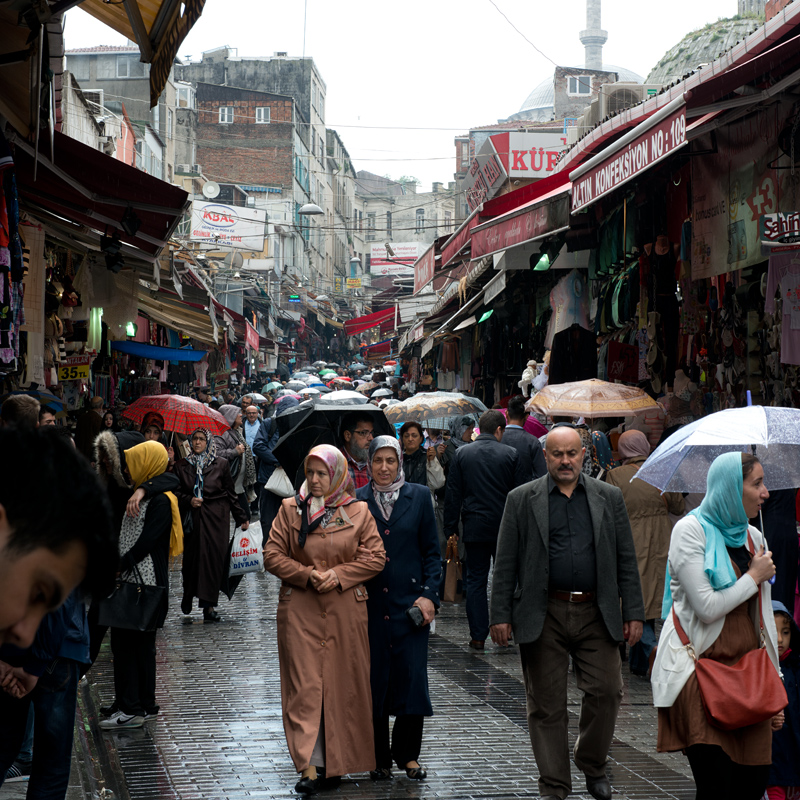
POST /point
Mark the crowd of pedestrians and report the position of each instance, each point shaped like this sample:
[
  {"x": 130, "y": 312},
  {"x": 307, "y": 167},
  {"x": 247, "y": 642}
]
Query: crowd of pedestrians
[{"x": 580, "y": 567}]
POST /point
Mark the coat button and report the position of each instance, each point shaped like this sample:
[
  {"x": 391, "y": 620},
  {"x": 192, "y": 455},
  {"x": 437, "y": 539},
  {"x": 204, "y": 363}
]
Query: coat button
[
  {"x": 324, "y": 615},
  {"x": 387, "y": 531},
  {"x": 322, "y": 535},
  {"x": 323, "y": 643},
  {"x": 386, "y": 618},
  {"x": 323, "y": 563},
  {"x": 385, "y": 589},
  {"x": 388, "y": 559}
]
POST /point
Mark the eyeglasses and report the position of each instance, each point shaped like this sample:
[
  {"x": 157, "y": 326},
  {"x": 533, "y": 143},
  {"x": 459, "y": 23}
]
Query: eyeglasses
[{"x": 365, "y": 433}]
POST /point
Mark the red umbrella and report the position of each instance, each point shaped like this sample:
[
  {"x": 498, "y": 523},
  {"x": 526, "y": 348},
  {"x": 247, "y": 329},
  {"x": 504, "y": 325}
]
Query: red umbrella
[{"x": 181, "y": 414}]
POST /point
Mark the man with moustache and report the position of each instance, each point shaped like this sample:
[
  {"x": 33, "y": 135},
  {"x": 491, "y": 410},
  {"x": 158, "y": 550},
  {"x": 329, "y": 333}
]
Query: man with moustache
[
  {"x": 566, "y": 583},
  {"x": 357, "y": 433}
]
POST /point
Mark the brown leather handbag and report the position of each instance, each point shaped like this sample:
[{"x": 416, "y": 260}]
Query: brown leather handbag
[{"x": 746, "y": 693}]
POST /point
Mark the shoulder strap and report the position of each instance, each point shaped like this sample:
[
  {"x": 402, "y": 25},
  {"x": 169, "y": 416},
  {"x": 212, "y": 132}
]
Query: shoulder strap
[{"x": 679, "y": 628}]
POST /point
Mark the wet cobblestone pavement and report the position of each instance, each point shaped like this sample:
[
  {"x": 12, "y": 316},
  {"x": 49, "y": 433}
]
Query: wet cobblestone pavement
[{"x": 219, "y": 733}]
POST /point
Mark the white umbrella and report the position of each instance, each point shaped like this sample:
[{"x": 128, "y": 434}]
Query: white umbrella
[{"x": 342, "y": 397}]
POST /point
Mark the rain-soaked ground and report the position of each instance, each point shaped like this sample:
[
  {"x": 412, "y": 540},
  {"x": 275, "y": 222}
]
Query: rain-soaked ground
[{"x": 219, "y": 733}]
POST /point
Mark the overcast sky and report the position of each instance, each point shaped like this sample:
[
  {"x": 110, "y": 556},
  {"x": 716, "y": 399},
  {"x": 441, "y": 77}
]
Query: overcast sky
[{"x": 404, "y": 78}]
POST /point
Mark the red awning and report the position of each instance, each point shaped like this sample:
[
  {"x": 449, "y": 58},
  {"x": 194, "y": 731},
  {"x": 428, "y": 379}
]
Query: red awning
[
  {"x": 456, "y": 243},
  {"x": 93, "y": 189},
  {"x": 360, "y": 324}
]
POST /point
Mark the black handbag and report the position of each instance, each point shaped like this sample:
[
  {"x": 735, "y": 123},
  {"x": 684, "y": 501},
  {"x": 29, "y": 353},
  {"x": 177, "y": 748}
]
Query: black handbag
[
  {"x": 235, "y": 465},
  {"x": 132, "y": 606}
]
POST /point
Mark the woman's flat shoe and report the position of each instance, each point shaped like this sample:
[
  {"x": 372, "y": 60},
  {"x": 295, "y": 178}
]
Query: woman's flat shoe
[
  {"x": 186, "y": 605},
  {"x": 417, "y": 773},
  {"x": 211, "y": 615},
  {"x": 306, "y": 786},
  {"x": 383, "y": 774}
]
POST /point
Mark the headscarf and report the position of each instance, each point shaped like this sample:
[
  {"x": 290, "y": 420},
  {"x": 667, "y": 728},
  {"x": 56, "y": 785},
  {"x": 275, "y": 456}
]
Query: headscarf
[
  {"x": 202, "y": 460},
  {"x": 457, "y": 427},
  {"x": 633, "y": 444},
  {"x": 724, "y": 521},
  {"x": 146, "y": 461},
  {"x": 342, "y": 490},
  {"x": 230, "y": 413},
  {"x": 386, "y": 496}
]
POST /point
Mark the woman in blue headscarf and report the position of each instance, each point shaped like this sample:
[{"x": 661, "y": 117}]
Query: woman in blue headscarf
[{"x": 717, "y": 566}]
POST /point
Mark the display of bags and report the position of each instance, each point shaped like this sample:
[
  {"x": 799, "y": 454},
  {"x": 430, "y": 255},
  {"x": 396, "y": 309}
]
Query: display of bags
[
  {"x": 453, "y": 583},
  {"x": 746, "y": 693},
  {"x": 247, "y": 553},
  {"x": 132, "y": 606}
]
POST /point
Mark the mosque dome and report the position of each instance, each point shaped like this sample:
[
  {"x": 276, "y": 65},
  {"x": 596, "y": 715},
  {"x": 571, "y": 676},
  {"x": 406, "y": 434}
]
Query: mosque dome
[{"x": 538, "y": 106}]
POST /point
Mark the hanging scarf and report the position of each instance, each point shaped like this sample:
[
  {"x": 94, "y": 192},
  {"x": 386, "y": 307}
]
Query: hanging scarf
[
  {"x": 146, "y": 461},
  {"x": 724, "y": 521},
  {"x": 386, "y": 496},
  {"x": 342, "y": 490},
  {"x": 202, "y": 460}
]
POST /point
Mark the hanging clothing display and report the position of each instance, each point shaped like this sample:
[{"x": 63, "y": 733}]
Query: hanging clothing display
[
  {"x": 784, "y": 274},
  {"x": 570, "y": 303},
  {"x": 574, "y": 356}
]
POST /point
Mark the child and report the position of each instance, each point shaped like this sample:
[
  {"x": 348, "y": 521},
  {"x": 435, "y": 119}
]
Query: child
[{"x": 784, "y": 776}]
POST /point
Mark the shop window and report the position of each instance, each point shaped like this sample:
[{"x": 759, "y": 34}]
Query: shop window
[
  {"x": 580, "y": 84},
  {"x": 225, "y": 115}
]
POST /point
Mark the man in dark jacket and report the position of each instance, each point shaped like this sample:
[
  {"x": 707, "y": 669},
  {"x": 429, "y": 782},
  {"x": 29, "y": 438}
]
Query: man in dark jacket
[
  {"x": 481, "y": 475},
  {"x": 530, "y": 450}
]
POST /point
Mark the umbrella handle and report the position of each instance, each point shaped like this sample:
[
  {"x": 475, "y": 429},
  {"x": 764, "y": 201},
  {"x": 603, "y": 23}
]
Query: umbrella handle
[
  {"x": 171, "y": 437},
  {"x": 763, "y": 533}
]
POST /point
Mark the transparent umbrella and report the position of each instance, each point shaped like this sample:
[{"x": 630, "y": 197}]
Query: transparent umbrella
[
  {"x": 680, "y": 464},
  {"x": 343, "y": 397}
]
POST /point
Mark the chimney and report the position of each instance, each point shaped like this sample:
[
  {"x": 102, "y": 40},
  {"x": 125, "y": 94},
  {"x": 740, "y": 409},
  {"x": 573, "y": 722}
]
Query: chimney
[{"x": 437, "y": 187}]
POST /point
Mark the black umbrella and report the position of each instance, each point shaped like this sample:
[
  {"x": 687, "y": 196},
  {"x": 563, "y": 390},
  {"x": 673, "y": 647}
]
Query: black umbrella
[{"x": 311, "y": 424}]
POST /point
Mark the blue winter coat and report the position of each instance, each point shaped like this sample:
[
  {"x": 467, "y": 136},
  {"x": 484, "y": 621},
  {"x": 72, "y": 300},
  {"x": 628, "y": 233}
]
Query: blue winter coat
[
  {"x": 398, "y": 650},
  {"x": 785, "y": 770}
]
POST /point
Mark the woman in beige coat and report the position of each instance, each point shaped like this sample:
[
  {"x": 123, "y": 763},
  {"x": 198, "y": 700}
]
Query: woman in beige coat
[
  {"x": 323, "y": 647},
  {"x": 648, "y": 510}
]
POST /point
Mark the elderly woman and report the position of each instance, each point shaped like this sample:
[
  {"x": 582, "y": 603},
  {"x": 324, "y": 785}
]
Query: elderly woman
[
  {"x": 649, "y": 512},
  {"x": 402, "y": 604},
  {"x": 718, "y": 567},
  {"x": 323, "y": 647},
  {"x": 144, "y": 543},
  {"x": 207, "y": 491},
  {"x": 232, "y": 446}
]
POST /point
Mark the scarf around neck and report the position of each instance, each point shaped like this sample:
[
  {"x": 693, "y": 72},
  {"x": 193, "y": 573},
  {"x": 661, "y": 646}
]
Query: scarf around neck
[
  {"x": 724, "y": 522},
  {"x": 201, "y": 461},
  {"x": 386, "y": 496}
]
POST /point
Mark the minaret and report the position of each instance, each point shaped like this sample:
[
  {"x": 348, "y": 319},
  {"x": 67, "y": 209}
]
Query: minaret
[{"x": 593, "y": 38}]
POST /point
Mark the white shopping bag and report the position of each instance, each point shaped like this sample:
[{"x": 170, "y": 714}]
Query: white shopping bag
[{"x": 246, "y": 552}]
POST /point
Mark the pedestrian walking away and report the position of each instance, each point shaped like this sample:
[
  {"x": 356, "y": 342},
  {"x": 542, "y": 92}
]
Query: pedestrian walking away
[
  {"x": 566, "y": 583},
  {"x": 207, "y": 500},
  {"x": 402, "y": 603},
  {"x": 323, "y": 648},
  {"x": 713, "y": 586}
]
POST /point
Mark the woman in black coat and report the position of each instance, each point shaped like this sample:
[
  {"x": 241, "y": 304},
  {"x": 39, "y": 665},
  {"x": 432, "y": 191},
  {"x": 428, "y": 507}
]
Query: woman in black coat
[{"x": 409, "y": 583}]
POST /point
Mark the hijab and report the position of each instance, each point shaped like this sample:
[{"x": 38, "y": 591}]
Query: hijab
[
  {"x": 724, "y": 521},
  {"x": 631, "y": 445},
  {"x": 458, "y": 425},
  {"x": 201, "y": 461},
  {"x": 230, "y": 413},
  {"x": 341, "y": 492},
  {"x": 146, "y": 461},
  {"x": 386, "y": 496}
]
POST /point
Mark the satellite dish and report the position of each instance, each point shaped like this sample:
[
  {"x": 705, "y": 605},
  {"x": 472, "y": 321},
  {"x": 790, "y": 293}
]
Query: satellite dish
[
  {"x": 233, "y": 259},
  {"x": 210, "y": 189}
]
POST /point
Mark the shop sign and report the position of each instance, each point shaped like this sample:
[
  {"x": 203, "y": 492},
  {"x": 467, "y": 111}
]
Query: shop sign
[
  {"x": 401, "y": 263},
  {"x": 623, "y": 362},
  {"x": 337, "y": 283},
  {"x": 74, "y": 368},
  {"x": 485, "y": 176},
  {"x": 250, "y": 336},
  {"x": 423, "y": 269},
  {"x": 495, "y": 286},
  {"x": 779, "y": 229},
  {"x": 428, "y": 346},
  {"x": 530, "y": 155},
  {"x": 354, "y": 283},
  {"x": 623, "y": 165},
  {"x": 236, "y": 226},
  {"x": 416, "y": 332}
]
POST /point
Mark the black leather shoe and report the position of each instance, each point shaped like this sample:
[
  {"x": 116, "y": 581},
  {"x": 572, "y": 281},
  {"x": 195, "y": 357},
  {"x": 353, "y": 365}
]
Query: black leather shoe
[
  {"x": 211, "y": 615},
  {"x": 186, "y": 605},
  {"x": 382, "y": 774},
  {"x": 417, "y": 773},
  {"x": 599, "y": 788},
  {"x": 306, "y": 786},
  {"x": 325, "y": 783},
  {"x": 476, "y": 644}
]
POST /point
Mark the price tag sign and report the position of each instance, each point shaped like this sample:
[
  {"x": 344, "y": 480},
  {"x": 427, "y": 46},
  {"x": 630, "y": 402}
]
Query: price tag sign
[{"x": 74, "y": 372}]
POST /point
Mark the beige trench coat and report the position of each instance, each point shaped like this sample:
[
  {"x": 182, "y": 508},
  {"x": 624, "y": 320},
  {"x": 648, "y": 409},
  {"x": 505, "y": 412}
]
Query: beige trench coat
[
  {"x": 648, "y": 509},
  {"x": 323, "y": 647}
]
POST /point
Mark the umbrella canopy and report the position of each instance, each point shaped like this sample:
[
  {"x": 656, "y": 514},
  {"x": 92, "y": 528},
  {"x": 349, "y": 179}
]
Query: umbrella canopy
[
  {"x": 591, "y": 399},
  {"x": 367, "y": 387},
  {"x": 324, "y": 372},
  {"x": 422, "y": 407},
  {"x": 382, "y": 393},
  {"x": 319, "y": 364},
  {"x": 333, "y": 364},
  {"x": 313, "y": 423},
  {"x": 296, "y": 385},
  {"x": 272, "y": 386},
  {"x": 355, "y": 367},
  {"x": 45, "y": 398},
  {"x": 680, "y": 464},
  {"x": 300, "y": 376},
  {"x": 344, "y": 397},
  {"x": 181, "y": 414},
  {"x": 309, "y": 390},
  {"x": 258, "y": 398},
  {"x": 287, "y": 393}
]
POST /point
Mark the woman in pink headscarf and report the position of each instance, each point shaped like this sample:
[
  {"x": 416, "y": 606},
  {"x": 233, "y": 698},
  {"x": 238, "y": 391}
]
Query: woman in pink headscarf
[
  {"x": 323, "y": 646},
  {"x": 648, "y": 510}
]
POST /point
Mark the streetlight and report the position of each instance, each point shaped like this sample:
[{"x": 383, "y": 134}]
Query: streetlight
[{"x": 310, "y": 210}]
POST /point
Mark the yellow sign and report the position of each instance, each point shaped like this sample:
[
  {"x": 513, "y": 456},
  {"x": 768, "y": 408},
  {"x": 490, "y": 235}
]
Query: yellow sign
[
  {"x": 74, "y": 372},
  {"x": 354, "y": 283}
]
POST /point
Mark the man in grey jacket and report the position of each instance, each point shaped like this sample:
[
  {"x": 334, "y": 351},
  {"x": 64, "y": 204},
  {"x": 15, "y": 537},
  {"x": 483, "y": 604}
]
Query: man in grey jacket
[{"x": 566, "y": 583}]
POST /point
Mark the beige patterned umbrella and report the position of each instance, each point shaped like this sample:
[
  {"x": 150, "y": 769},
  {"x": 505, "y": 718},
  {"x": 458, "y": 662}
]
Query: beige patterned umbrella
[
  {"x": 429, "y": 405},
  {"x": 591, "y": 399}
]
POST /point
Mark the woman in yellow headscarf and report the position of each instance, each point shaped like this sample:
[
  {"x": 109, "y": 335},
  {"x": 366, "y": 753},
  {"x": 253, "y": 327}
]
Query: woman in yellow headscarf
[{"x": 144, "y": 546}]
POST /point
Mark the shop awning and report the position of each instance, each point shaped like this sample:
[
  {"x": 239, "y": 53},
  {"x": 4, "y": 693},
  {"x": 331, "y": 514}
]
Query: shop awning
[
  {"x": 95, "y": 190},
  {"x": 157, "y": 26},
  {"x": 458, "y": 241},
  {"x": 141, "y": 350},
  {"x": 360, "y": 324},
  {"x": 535, "y": 219}
]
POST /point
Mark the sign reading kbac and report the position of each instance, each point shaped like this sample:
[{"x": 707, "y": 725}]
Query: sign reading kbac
[{"x": 623, "y": 165}]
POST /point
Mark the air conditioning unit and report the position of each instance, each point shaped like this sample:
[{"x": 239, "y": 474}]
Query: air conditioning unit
[
  {"x": 591, "y": 114},
  {"x": 616, "y": 97},
  {"x": 196, "y": 169},
  {"x": 281, "y": 54},
  {"x": 574, "y": 132},
  {"x": 95, "y": 98},
  {"x": 185, "y": 168}
]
